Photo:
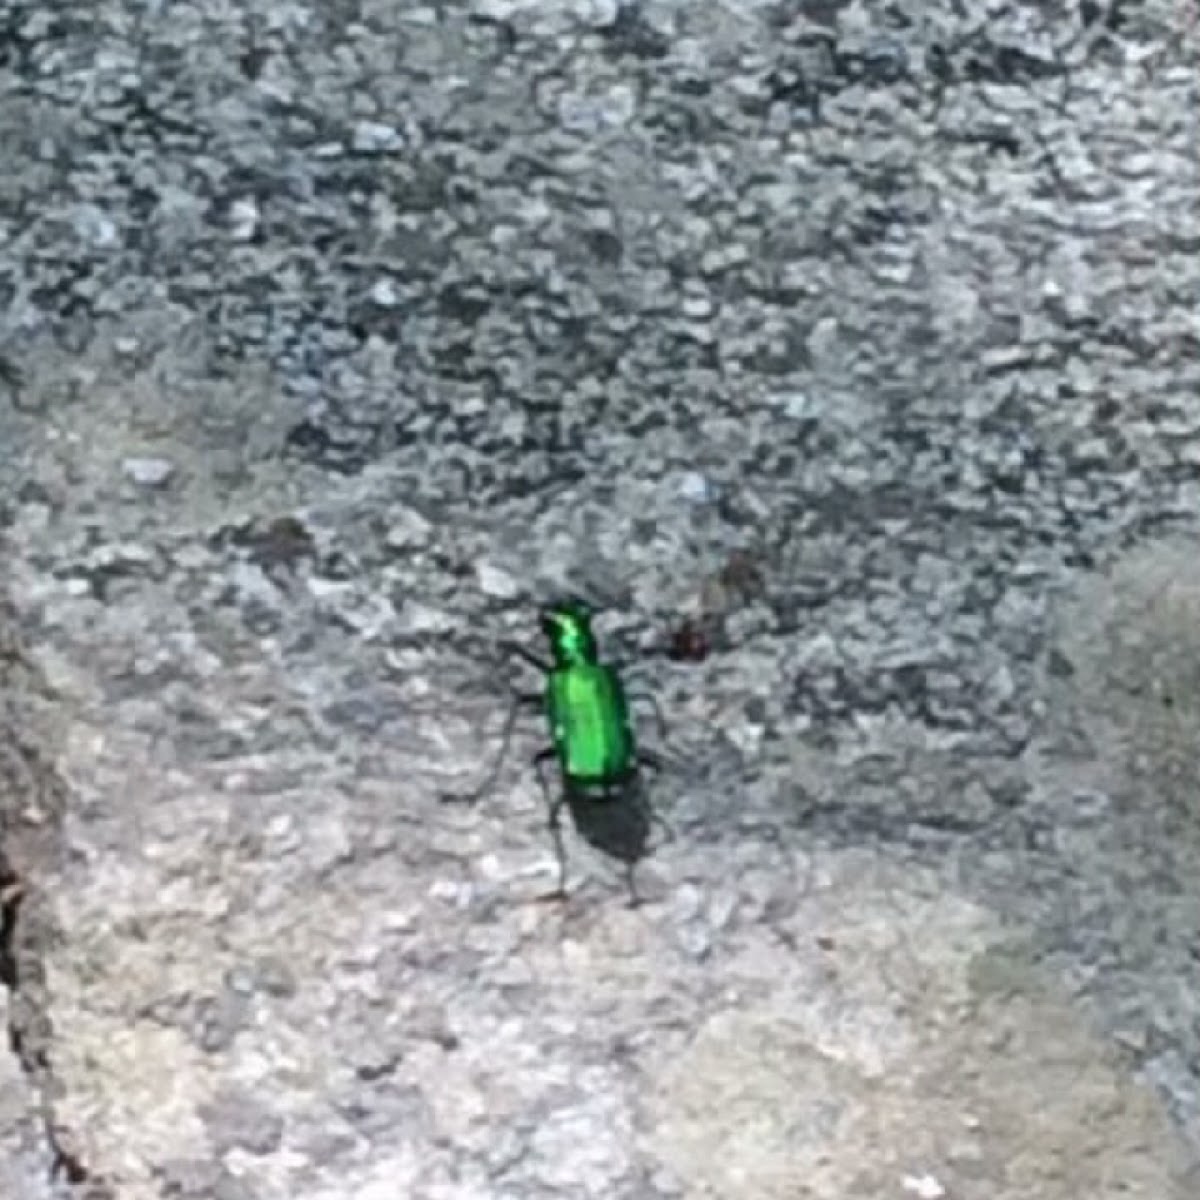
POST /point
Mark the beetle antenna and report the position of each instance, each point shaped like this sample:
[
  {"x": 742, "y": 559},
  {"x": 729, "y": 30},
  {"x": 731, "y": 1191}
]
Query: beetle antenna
[
  {"x": 528, "y": 656},
  {"x": 493, "y": 772}
]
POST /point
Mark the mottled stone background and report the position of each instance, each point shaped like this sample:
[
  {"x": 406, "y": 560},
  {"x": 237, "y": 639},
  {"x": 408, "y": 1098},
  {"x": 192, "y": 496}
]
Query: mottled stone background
[{"x": 337, "y": 335}]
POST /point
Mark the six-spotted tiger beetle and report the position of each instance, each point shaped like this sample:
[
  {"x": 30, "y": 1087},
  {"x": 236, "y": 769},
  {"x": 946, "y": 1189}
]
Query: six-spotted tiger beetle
[{"x": 600, "y": 765}]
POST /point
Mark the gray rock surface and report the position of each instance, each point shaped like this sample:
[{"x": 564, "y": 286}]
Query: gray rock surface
[{"x": 335, "y": 337}]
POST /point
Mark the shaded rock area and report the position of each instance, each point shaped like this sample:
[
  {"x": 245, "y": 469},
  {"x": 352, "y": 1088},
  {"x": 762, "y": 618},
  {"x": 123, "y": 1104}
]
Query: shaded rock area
[{"x": 855, "y": 341}]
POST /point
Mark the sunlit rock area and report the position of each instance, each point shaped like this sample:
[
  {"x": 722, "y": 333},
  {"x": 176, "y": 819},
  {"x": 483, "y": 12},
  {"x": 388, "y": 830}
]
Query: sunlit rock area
[{"x": 843, "y": 356}]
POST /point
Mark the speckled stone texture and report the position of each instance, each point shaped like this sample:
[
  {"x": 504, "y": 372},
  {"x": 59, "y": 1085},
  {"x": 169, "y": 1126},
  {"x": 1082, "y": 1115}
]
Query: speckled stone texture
[{"x": 335, "y": 337}]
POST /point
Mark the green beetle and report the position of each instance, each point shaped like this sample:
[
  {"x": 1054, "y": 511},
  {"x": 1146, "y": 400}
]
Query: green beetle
[{"x": 600, "y": 765}]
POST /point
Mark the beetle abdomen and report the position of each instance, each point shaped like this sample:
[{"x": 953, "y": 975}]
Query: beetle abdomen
[{"x": 590, "y": 723}]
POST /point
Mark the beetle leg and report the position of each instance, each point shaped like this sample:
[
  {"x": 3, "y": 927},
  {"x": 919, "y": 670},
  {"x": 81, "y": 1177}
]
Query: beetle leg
[
  {"x": 554, "y": 806},
  {"x": 635, "y": 898},
  {"x": 655, "y": 817},
  {"x": 489, "y": 780},
  {"x": 12, "y": 889},
  {"x": 659, "y": 719}
]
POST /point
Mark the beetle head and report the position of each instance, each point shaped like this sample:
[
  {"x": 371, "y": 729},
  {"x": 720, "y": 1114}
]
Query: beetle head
[{"x": 567, "y": 625}]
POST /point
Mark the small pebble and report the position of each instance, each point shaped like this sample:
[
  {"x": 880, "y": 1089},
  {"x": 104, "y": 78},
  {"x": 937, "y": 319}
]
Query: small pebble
[
  {"x": 218, "y": 1020},
  {"x": 238, "y": 1120},
  {"x": 695, "y": 939},
  {"x": 384, "y": 294},
  {"x": 694, "y": 487},
  {"x": 373, "y": 137},
  {"x": 493, "y": 581},
  {"x": 275, "y": 977},
  {"x": 795, "y": 406},
  {"x": 243, "y": 219},
  {"x": 409, "y": 529},
  {"x": 148, "y": 472},
  {"x": 823, "y": 337},
  {"x": 240, "y": 980},
  {"x": 95, "y": 226},
  {"x": 924, "y": 1187}
]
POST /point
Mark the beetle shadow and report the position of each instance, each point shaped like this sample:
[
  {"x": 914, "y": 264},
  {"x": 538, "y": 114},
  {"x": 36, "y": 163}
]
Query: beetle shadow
[
  {"x": 620, "y": 827},
  {"x": 620, "y": 830}
]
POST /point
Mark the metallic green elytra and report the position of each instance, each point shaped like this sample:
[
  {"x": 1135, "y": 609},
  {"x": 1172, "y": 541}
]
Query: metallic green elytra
[
  {"x": 585, "y": 703},
  {"x": 600, "y": 764}
]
